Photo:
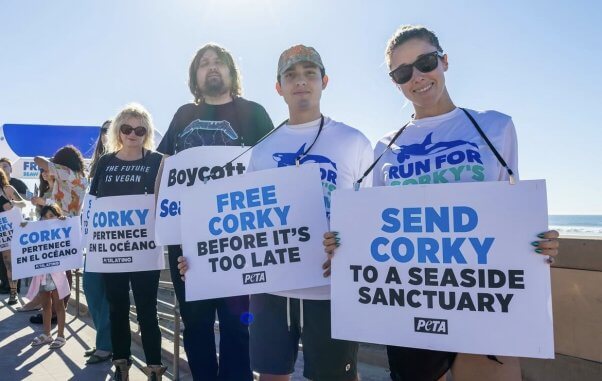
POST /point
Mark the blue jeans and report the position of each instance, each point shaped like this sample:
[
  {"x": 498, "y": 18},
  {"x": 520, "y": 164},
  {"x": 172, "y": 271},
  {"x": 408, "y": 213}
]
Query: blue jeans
[
  {"x": 96, "y": 295},
  {"x": 199, "y": 337}
]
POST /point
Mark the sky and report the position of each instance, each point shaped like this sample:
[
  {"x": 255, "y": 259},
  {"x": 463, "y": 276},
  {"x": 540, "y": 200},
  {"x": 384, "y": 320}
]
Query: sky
[{"x": 78, "y": 62}]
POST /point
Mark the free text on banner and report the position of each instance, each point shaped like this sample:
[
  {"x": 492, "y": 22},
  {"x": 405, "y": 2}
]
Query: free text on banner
[
  {"x": 45, "y": 247},
  {"x": 445, "y": 267},
  {"x": 258, "y": 232},
  {"x": 188, "y": 170},
  {"x": 122, "y": 235},
  {"x": 9, "y": 220}
]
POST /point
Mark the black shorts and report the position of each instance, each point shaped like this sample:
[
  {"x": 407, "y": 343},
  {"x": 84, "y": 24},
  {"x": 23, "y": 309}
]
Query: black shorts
[
  {"x": 418, "y": 364},
  {"x": 274, "y": 346}
]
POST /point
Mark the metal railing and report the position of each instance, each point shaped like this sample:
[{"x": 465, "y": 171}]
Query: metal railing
[{"x": 174, "y": 316}]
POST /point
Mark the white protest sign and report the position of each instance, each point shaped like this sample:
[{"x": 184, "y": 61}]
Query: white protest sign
[
  {"x": 9, "y": 220},
  {"x": 188, "y": 170},
  {"x": 45, "y": 247},
  {"x": 258, "y": 232},
  {"x": 122, "y": 235},
  {"x": 85, "y": 217},
  {"x": 447, "y": 267}
]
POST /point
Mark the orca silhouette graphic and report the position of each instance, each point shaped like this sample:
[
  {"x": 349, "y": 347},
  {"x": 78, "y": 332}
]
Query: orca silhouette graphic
[
  {"x": 427, "y": 147},
  {"x": 285, "y": 159},
  {"x": 195, "y": 134}
]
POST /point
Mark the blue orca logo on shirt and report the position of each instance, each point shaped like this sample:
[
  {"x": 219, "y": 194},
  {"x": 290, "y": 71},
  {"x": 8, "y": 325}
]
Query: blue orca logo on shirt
[
  {"x": 426, "y": 148},
  {"x": 286, "y": 159}
]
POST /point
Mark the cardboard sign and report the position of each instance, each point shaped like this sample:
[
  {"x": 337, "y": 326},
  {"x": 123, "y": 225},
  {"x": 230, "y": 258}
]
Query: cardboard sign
[
  {"x": 85, "y": 217},
  {"x": 191, "y": 169},
  {"x": 258, "y": 232},
  {"x": 447, "y": 267},
  {"x": 9, "y": 220},
  {"x": 45, "y": 247},
  {"x": 122, "y": 235}
]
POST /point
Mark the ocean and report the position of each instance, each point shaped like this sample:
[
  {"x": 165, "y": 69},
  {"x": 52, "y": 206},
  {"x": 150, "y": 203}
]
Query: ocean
[
  {"x": 567, "y": 225},
  {"x": 576, "y": 225}
]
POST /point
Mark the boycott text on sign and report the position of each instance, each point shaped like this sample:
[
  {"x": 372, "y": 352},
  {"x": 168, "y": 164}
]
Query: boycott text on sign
[
  {"x": 45, "y": 247},
  {"x": 122, "y": 235},
  {"x": 259, "y": 232},
  {"x": 9, "y": 220},
  {"x": 446, "y": 267},
  {"x": 189, "y": 169}
]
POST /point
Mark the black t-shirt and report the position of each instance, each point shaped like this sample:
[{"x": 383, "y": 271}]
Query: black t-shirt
[
  {"x": 116, "y": 177},
  {"x": 3, "y": 200},
  {"x": 19, "y": 186},
  {"x": 234, "y": 123}
]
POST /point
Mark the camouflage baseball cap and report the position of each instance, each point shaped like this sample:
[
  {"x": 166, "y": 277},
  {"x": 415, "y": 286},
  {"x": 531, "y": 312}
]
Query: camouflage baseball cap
[{"x": 296, "y": 54}]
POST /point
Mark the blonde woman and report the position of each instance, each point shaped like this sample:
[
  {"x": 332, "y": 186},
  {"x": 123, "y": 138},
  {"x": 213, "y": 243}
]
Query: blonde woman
[{"x": 134, "y": 167}]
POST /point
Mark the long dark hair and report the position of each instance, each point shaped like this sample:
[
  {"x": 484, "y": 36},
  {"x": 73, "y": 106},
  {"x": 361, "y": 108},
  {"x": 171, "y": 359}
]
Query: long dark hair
[
  {"x": 70, "y": 157},
  {"x": 44, "y": 186},
  {"x": 100, "y": 148},
  {"x": 54, "y": 208}
]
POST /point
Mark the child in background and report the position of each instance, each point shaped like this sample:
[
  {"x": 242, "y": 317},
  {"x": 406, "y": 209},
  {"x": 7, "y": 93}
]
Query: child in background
[{"x": 51, "y": 288}]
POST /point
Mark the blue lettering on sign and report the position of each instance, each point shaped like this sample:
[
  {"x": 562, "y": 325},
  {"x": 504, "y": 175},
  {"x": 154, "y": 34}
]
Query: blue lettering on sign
[
  {"x": 44, "y": 236},
  {"x": 250, "y": 198},
  {"x": 403, "y": 249},
  {"x": 30, "y": 166},
  {"x": 248, "y": 220},
  {"x": 170, "y": 208},
  {"x": 120, "y": 218}
]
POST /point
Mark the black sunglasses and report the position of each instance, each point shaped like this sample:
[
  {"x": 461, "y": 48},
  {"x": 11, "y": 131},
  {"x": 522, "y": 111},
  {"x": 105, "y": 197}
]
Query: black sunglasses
[
  {"x": 126, "y": 129},
  {"x": 104, "y": 130},
  {"x": 424, "y": 63}
]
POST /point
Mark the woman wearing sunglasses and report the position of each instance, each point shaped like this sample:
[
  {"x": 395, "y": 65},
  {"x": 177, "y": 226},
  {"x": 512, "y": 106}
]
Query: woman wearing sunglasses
[
  {"x": 417, "y": 156},
  {"x": 130, "y": 167}
]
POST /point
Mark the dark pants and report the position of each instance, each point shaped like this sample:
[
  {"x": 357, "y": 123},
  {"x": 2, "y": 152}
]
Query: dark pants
[
  {"x": 144, "y": 287},
  {"x": 4, "y": 278},
  {"x": 199, "y": 338}
]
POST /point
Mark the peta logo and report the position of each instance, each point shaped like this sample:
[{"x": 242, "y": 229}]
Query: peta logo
[
  {"x": 426, "y": 325},
  {"x": 250, "y": 278}
]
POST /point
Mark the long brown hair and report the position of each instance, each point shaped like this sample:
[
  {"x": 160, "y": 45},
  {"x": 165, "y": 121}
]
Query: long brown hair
[{"x": 226, "y": 57}]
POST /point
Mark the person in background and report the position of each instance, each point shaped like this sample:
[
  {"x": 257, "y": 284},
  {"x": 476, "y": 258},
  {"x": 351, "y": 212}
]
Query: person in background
[
  {"x": 67, "y": 185},
  {"x": 101, "y": 146},
  {"x": 9, "y": 198},
  {"x": 94, "y": 286},
  {"x": 42, "y": 199},
  {"x": 51, "y": 289},
  {"x": 67, "y": 178},
  {"x": 21, "y": 187}
]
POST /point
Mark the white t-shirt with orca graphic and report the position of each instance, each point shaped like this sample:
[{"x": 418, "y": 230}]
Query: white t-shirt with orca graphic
[
  {"x": 448, "y": 148},
  {"x": 343, "y": 154}
]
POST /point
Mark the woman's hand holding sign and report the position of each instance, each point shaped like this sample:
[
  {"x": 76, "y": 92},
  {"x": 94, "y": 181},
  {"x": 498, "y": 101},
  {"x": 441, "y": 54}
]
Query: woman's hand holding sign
[{"x": 548, "y": 245}]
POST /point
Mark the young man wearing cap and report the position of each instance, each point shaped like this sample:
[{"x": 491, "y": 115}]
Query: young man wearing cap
[
  {"x": 215, "y": 82},
  {"x": 343, "y": 153}
]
